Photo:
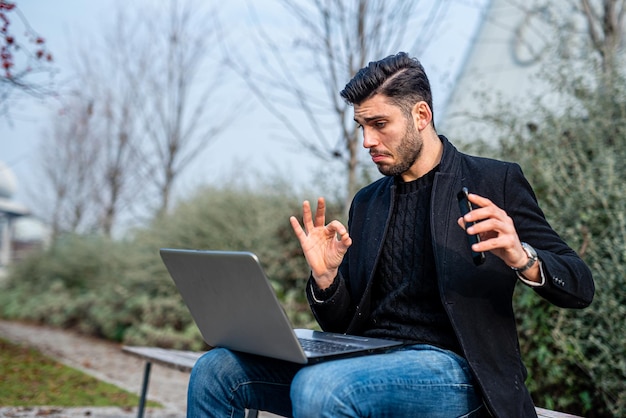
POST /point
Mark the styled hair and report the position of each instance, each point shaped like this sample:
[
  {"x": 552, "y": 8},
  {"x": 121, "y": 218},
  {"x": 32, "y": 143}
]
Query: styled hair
[{"x": 399, "y": 77}]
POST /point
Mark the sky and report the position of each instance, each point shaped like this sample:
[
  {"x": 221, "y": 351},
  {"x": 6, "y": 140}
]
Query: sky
[{"x": 62, "y": 21}]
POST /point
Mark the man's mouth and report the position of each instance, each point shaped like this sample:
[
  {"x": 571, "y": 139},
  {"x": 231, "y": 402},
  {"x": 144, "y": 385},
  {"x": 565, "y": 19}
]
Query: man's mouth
[{"x": 378, "y": 157}]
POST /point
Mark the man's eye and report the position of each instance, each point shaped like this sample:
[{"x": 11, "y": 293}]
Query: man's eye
[{"x": 380, "y": 124}]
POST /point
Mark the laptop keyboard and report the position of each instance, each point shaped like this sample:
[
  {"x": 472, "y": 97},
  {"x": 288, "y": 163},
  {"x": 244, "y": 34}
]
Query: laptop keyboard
[{"x": 318, "y": 346}]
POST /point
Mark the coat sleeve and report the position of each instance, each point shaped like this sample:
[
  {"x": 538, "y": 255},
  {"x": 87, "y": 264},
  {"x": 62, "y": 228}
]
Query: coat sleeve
[
  {"x": 569, "y": 282},
  {"x": 332, "y": 310},
  {"x": 338, "y": 311}
]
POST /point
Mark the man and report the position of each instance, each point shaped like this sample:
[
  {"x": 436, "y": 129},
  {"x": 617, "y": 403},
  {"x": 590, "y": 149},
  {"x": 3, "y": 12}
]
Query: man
[{"x": 403, "y": 270}]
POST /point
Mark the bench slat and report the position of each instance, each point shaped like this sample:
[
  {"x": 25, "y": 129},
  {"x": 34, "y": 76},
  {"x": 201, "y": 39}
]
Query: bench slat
[
  {"x": 177, "y": 359},
  {"x": 546, "y": 413}
]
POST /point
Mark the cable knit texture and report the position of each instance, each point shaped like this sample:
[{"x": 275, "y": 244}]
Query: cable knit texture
[{"x": 405, "y": 297}]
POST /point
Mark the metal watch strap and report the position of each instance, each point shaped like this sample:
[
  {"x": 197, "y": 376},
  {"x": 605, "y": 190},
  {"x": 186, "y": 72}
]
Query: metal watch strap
[{"x": 532, "y": 258}]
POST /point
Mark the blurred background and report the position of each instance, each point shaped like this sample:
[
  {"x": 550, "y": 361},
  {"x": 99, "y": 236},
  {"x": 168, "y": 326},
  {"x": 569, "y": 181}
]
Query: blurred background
[{"x": 126, "y": 127}]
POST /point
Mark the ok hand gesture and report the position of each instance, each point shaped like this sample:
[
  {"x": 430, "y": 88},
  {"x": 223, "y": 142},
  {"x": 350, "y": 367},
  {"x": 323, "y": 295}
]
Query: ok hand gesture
[{"x": 323, "y": 245}]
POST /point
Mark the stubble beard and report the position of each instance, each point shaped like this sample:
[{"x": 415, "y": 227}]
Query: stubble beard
[{"x": 407, "y": 153}]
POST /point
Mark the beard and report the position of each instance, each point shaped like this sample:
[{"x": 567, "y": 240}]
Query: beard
[{"x": 407, "y": 152}]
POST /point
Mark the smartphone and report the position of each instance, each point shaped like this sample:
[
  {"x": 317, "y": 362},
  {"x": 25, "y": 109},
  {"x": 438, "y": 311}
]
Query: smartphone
[{"x": 466, "y": 206}]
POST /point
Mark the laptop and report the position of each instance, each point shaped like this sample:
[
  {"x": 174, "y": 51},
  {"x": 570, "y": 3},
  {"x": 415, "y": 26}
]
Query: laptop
[{"x": 234, "y": 306}]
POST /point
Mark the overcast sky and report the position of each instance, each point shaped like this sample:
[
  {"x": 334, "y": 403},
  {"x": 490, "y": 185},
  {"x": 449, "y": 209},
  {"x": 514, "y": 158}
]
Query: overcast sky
[{"x": 59, "y": 21}]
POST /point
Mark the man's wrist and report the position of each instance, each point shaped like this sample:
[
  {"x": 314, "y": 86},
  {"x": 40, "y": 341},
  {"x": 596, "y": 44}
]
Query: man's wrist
[
  {"x": 324, "y": 281},
  {"x": 540, "y": 279},
  {"x": 322, "y": 295},
  {"x": 532, "y": 259}
]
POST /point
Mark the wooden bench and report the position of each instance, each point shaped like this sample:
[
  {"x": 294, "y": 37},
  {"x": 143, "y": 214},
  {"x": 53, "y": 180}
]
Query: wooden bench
[
  {"x": 185, "y": 360},
  {"x": 176, "y": 359}
]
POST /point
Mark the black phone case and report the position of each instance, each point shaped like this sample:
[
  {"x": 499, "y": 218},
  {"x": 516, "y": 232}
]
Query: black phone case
[{"x": 465, "y": 206}]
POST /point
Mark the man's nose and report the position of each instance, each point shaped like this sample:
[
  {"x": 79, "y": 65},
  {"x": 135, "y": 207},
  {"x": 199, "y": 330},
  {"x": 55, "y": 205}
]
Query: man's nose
[{"x": 369, "y": 139}]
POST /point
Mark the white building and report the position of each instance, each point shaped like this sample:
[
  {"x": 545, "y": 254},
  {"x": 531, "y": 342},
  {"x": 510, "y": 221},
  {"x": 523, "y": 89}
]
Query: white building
[
  {"x": 515, "y": 41},
  {"x": 18, "y": 231}
]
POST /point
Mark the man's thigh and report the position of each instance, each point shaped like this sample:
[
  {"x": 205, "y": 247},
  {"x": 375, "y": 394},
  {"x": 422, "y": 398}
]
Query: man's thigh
[
  {"x": 224, "y": 383},
  {"x": 414, "y": 381}
]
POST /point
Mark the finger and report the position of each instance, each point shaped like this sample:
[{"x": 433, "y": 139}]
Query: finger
[
  {"x": 346, "y": 240},
  {"x": 297, "y": 228},
  {"x": 495, "y": 242},
  {"x": 338, "y": 228},
  {"x": 479, "y": 200},
  {"x": 307, "y": 216},
  {"x": 483, "y": 226},
  {"x": 478, "y": 203},
  {"x": 320, "y": 212},
  {"x": 341, "y": 235},
  {"x": 486, "y": 209}
]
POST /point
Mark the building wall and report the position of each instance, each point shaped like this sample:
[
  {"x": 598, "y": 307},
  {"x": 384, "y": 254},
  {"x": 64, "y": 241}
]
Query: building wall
[{"x": 512, "y": 47}]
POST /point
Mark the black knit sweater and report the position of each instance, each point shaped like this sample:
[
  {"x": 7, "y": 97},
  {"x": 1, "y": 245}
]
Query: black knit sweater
[{"x": 405, "y": 297}]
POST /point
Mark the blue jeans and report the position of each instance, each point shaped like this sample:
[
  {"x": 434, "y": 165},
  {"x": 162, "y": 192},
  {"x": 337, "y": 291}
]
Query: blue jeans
[{"x": 414, "y": 381}]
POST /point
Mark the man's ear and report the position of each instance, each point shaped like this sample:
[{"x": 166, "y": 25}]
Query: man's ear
[{"x": 422, "y": 115}]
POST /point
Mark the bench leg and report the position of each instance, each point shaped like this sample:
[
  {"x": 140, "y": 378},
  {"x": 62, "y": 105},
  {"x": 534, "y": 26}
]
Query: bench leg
[
  {"x": 144, "y": 389},
  {"x": 252, "y": 413}
]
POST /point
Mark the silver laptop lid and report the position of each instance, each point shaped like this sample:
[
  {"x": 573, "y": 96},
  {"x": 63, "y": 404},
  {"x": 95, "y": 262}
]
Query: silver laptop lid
[{"x": 226, "y": 292}]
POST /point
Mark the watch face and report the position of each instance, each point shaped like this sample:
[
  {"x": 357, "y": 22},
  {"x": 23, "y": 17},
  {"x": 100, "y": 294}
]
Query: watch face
[
  {"x": 529, "y": 250},
  {"x": 532, "y": 258}
]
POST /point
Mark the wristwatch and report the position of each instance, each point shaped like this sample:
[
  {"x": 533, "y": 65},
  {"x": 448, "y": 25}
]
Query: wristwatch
[{"x": 532, "y": 258}]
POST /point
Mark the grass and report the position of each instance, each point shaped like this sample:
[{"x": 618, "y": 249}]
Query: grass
[{"x": 32, "y": 379}]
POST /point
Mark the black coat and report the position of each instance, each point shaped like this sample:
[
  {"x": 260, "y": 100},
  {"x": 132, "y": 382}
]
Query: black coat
[{"x": 478, "y": 300}]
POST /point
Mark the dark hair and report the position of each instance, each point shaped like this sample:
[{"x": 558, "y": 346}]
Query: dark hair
[{"x": 399, "y": 77}]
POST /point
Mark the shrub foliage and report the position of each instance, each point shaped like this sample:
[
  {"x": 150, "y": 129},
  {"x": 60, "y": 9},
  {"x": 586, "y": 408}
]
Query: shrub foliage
[
  {"x": 121, "y": 291},
  {"x": 574, "y": 155}
]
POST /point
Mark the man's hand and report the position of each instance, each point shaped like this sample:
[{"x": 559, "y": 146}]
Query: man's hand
[
  {"x": 497, "y": 234},
  {"x": 323, "y": 245}
]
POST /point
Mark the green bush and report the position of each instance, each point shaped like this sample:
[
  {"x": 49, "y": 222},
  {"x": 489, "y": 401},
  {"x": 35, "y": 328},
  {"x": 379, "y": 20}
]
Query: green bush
[
  {"x": 121, "y": 291},
  {"x": 574, "y": 157}
]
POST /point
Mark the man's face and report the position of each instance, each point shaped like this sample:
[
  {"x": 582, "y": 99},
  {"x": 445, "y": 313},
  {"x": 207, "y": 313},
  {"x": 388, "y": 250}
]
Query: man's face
[{"x": 391, "y": 138}]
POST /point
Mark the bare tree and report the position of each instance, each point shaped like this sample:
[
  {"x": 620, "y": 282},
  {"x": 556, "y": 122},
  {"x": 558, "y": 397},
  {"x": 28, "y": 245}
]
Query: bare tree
[
  {"x": 98, "y": 138},
  {"x": 140, "y": 80},
  {"x": 108, "y": 75},
  {"x": 24, "y": 58},
  {"x": 180, "y": 87},
  {"x": 605, "y": 29},
  {"x": 335, "y": 39},
  {"x": 67, "y": 157}
]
